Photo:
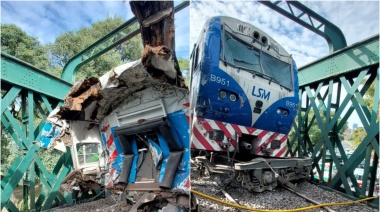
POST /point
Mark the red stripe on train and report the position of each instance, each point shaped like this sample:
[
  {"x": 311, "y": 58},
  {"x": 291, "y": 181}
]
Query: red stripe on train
[
  {"x": 110, "y": 141},
  {"x": 236, "y": 128},
  {"x": 279, "y": 154},
  {"x": 201, "y": 139}
]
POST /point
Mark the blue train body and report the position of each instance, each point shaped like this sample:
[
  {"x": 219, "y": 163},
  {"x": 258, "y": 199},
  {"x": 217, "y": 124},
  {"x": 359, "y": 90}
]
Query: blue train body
[
  {"x": 211, "y": 79},
  {"x": 244, "y": 98}
]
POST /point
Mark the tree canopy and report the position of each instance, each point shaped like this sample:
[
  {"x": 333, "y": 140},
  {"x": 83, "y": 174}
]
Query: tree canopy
[
  {"x": 16, "y": 42},
  {"x": 69, "y": 44}
]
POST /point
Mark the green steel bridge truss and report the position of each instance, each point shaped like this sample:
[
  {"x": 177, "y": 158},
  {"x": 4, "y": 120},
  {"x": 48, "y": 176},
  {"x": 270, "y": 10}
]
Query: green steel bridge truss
[{"x": 332, "y": 87}]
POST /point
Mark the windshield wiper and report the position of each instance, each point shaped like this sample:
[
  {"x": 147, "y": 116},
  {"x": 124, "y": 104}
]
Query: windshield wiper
[
  {"x": 242, "y": 68},
  {"x": 272, "y": 79}
]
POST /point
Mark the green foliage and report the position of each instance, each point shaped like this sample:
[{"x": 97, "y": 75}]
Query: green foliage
[
  {"x": 368, "y": 97},
  {"x": 5, "y": 151},
  {"x": 49, "y": 158},
  {"x": 16, "y": 42},
  {"x": 314, "y": 132},
  {"x": 358, "y": 136},
  {"x": 9, "y": 150},
  {"x": 184, "y": 65},
  {"x": 71, "y": 43}
]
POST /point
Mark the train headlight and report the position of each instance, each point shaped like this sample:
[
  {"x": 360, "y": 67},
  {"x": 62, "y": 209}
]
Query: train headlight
[
  {"x": 233, "y": 98},
  {"x": 285, "y": 113},
  {"x": 222, "y": 94},
  {"x": 278, "y": 111}
]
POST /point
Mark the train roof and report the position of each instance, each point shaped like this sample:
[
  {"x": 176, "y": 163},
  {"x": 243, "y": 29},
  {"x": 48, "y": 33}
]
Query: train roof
[{"x": 252, "y": 31}]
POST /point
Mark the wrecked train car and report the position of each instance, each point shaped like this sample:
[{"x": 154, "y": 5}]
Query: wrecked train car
[{"x": 127, "y": 131}]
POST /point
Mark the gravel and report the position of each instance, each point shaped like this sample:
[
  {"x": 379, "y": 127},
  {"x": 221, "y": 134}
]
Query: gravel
[
  {"x": 278, "y": 199},
  {"x": 103, "y": 205}
]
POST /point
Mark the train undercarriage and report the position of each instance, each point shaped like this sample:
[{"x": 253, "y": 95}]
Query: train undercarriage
[{"x": 256, "y": 175}]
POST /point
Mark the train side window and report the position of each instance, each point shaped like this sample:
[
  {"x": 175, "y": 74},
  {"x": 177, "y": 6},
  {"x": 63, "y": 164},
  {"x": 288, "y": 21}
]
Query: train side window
[
  {"x": 195, "y": 64},
  {"x": 194, "y": 61},
  {"x": 200, "y": 52},
  {"x": 192, "y": 58},
  {"x": 88, "y": 153}
]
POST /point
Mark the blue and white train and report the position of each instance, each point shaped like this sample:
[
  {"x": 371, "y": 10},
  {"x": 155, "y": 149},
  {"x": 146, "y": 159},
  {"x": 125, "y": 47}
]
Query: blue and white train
[{"x": 244, "y": 97}]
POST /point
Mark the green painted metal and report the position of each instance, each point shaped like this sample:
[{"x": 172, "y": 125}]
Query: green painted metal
[
  {"x": 16, "y": 175},
  {"x": 9, "y": 97},
  {"x": 32, "y": 78},
  {"x": 32, "y": 192},
  {"x": 66, "y": 169},
  {"x": 24, "y": 133},
  {"x": 350, "y": 59},
  {"x": 103, "y": 45},
  {"x": 333, "y": 88},
  {"x": 313, "y": 22}
]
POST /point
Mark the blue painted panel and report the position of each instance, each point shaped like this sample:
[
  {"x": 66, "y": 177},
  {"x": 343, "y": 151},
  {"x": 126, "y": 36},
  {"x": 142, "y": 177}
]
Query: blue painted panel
[
  {"x": 118, "y": 163},
  {"x": 180, "y": 128},
  {"x": 119, "y": 148},
  {"x": 165, "y": 154},
  {"x": 156, "y": 151},
  {"x": 132, "y": 174},
  {"x": 221, "y": 109},
  {"x": 271, "y": 121},
  {"x": 49, "y": 133},
  {"x": 104, "y": 140},
  {"x": 213, "y": 80}
]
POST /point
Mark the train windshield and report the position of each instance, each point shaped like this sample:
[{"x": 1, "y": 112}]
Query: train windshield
[{"x": 243, "y": 55}]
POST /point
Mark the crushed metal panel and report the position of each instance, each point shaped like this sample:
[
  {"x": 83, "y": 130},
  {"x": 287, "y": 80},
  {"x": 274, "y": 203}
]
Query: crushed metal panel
[
  {"x": 96, "y": 108},
  {"x": 92, "y": 100},
  {"x": 147, "y": 197},
  {"x": 55, "y": 133},
  {"x": 172, "y": 100}
]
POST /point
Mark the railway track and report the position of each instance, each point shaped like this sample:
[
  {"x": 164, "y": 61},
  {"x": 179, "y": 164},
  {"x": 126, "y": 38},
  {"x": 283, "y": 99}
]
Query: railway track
[{"x": 279, "y": 199}]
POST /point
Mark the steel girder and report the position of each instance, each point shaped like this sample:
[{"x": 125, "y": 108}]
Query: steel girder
[
  {"x": 298, "y": 12},
  {"x": 32, "y": 78},
  {"x": 25, "y": 131},
  {"x": 331, "y": 90}
]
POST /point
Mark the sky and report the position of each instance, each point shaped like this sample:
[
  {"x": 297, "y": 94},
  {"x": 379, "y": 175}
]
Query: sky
[
  {"x": 358, "y": 20},
  {"x": 46, "y": 20}
]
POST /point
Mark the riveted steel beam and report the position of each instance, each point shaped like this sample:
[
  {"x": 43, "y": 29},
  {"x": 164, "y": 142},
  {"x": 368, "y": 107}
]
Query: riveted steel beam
[
  {"x": 314, "y": 22},
  {"x": 350, "y": 59},
  {"x": 32, "y": 78}
]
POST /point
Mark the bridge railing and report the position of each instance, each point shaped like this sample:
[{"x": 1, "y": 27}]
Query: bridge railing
[{"x": 332, "y": 90}]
